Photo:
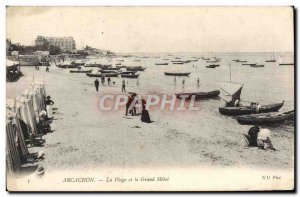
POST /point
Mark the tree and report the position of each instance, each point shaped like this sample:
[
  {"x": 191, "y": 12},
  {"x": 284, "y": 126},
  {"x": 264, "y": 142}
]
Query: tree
[{"x": 54, "y": 50}]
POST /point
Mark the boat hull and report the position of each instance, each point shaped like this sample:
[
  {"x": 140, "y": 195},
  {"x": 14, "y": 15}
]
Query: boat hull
[
  {"x": 177, "y": 74},
  {"x": 247, "y": 110},
  {"x": 199, "y": 95},
  {"x": 265, "y": 119}
]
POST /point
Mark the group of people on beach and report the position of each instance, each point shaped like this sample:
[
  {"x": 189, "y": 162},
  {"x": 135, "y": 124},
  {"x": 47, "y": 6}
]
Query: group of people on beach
[
  {"x": 96, "y": 83},
  {"x": 133, "y": 101},
  {"x": 183, "y": 81}
]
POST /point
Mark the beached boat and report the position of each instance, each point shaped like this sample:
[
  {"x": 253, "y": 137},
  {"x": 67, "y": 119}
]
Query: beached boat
[
  {"x": 94, "y": 74},
  {"x": 266, "y": 118},
  {"x": 177, "y": 74},
  {"x": 246, "y": 110},
  {"x": 257, "y": 65},
  {"x": 127, "y": 72},
  {"x": 113, "y": 68},
  {"x": 81, "y": 69},
  {"x": 110, "y": 74},
  {"x": 161, "y": 63},
  {"x": 120, "y": 66},
  {"x": 130, "y": 75},
  {"x": 137, "y": 68},
  {"x": 199, "y": 95},
  {"x": 235, "y": 60},
  {"x": 108, "y": 71}
]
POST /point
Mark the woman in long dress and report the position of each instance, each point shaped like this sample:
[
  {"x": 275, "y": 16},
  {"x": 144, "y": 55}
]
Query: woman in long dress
[
  {"x": 49, "y": 104},
  {"x": 145, "y": 114}
]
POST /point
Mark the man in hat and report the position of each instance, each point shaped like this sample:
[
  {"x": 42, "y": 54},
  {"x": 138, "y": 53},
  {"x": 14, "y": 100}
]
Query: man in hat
[
  {"x": 49, "y": 104},
  {"x": 96, "y": 82}
]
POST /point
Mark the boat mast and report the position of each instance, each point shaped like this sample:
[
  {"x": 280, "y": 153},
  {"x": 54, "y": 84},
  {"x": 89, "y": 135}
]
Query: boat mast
[{"x": 230, "y": 73}]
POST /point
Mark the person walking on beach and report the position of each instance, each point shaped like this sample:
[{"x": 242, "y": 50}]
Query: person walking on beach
[
  {"x": 123, "y": 86},
  {"x": 137, "y": 82},
  {"x": 183, "y": 81},
  {"x": 108, "y": 80},
  {"x": 47, "y": 68},
  {"x": 175, "y": 80},
  {"x": 96, "y": 82},
  {"x": 102, "y": 80},
  {"x": 198, "y": 81}
]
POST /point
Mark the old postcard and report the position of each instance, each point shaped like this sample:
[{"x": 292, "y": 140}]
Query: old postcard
[{"x": 150, "y": 98}]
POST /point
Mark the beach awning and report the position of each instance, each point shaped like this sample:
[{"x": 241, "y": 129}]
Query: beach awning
[{"x": 230, "y": 91}]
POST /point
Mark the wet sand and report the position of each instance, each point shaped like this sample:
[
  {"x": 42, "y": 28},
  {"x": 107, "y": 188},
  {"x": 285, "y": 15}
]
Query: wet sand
[{"x": 84, "y": 137}]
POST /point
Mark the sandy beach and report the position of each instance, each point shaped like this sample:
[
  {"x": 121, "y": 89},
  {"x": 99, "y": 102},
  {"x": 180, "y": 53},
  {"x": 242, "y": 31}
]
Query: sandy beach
[{"x": 85, "y": 137}]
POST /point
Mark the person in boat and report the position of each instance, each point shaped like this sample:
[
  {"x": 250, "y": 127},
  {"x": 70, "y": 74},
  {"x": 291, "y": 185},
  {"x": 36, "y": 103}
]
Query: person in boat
[
  {"x": 108, "y": 80},
  {"x": 264, "y": 139},
  {"x": 96, "y": 82},
  {"x": 258, "y": 106},
  {"x": 123, "y": 86},
  {"x": 145, "y": 117},
  {"x": 237, "y": 103},
  {"x": 49, "y": 104}
]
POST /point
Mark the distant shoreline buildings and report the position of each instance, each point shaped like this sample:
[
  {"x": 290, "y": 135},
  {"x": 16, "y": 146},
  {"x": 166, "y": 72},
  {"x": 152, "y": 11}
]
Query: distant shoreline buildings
[{"x": 64, "y": 43}]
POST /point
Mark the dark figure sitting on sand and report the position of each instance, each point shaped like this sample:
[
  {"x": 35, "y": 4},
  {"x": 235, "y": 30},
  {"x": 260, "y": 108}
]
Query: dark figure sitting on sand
[
  {"x": 258, "y": 137},
  {"x": 96, "y": 82},
  {"x": 145, "y": 114}
]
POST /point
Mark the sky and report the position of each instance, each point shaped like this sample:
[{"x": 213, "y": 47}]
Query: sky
[{"x": 158, "y": 29}]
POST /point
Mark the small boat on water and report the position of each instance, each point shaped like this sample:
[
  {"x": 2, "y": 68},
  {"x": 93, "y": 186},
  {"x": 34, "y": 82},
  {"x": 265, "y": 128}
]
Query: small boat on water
[
  {"x": 247, "y": 64},
  {"x": 132, "y": 75},
  {"x": 286, "y": 64},
  {"x": 272, "y": 59},
  {"x": 246, "y": 110},
  {"x": 235, "y": 60},
  {"x": 266, "y": 118},
  {"x": 241, "y": 61},
  {"x": 199, "y": 95},
  {"x": 177, "y": 74},
  {"x": 161, "y": 63},
  {"x": 94, "y": 74},
  {"x": 92, "y": 65},
  {"x": 257, "y": 65},
  {"x": 211, "y": 66},
  {"x": 120, "y": 66},
  {"x": 178, "y": 62},
  {"x": 165, "y": 59}
]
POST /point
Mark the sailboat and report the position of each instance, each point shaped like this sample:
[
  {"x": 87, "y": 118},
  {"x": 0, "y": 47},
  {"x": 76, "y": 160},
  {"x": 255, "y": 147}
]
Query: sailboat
[
  {"x": 271, "y": 60},
  {"x": 231, "y": 92},
  {"x": 283, "y": 63}
]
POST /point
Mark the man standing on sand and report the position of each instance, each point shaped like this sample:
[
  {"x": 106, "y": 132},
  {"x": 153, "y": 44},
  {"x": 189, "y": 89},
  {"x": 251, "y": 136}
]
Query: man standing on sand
[
  {"x": 123, "y": 86},
  {"x": 108, "y": 80},
  {"x": 96, "y": 82}
]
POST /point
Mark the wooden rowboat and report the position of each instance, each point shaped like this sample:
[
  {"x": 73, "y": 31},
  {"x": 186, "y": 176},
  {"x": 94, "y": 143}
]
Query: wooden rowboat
[
  {"x": 80, "y": 71},
  {"x": 266, "y": 118},
  {"x": 199, "y": 95},
  {"x": 129, "y": 75},
  {"x": 94, "y": 75},
  {"x": 177, "y": 74},
  {"x": 246, "y": 110}
]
